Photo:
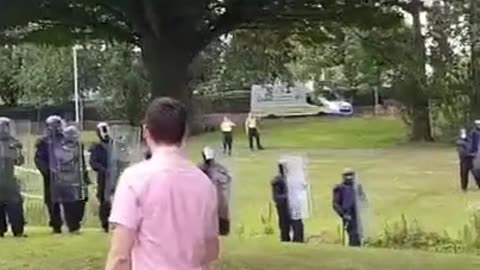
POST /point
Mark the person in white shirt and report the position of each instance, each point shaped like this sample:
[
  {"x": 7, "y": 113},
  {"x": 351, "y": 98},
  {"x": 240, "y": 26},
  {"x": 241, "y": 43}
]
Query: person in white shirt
[
  {"x": 227, "y": 130},
  {"x": 251, "y": 128}
]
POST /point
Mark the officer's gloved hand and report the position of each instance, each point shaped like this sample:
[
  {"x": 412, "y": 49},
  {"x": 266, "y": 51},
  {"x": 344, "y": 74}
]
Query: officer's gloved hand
[
  {"x": 347, "y": 218},
  {"x": 224, "y": 227}
]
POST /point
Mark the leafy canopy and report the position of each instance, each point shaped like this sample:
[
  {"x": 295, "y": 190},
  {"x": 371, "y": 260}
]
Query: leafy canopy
[{"x": 193, "y": 24}]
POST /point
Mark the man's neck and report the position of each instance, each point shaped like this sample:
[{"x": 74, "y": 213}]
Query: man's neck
[{"x": 164, "y": 149}]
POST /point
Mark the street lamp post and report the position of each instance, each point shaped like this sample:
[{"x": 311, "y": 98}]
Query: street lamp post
[{"x": 75, "y": 85}]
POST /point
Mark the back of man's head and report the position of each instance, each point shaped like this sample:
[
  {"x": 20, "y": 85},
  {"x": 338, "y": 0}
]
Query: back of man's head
[{"x": 166, "y": 121}]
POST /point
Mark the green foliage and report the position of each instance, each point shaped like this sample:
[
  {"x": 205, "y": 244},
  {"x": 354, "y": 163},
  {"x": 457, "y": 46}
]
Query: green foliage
[
  {"x": 173, "y": 34},
  {"x": 410, "y": 235},
  {"x": 47, "y": 74},
  {"x": 405, "y": 235},
  {"x": 267, "y": 221},
  {"x": 256, "y": 57},
  {"x": 123, "y": 83},
  {"x": 10, "y": 64},
  {"x": 451, "y": 81}
]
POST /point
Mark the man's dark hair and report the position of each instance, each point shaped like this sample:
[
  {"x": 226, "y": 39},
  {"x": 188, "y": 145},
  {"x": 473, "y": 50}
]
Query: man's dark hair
[{"x": 166, "y": 120}]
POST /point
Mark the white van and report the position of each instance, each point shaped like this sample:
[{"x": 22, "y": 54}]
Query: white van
[
  {"x": 292, "y": 100},
  {"x": 281, "y": 100}
]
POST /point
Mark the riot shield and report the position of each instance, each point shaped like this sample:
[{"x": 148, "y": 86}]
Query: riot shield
[
  {"x": 298, "y": 190},
  {"x": 124, "y": 149},
  {"x": 362, "y": 208},
  {"x": 14, "y": 142},
  {"x": 67, "y": 167},
  {"x": 476, "y": 165},
  {"x": 220, "y": 171}
]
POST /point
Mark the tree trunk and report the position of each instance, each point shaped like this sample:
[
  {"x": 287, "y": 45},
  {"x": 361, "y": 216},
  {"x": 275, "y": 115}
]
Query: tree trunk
[
  {"x": 169, "y": 68},
  {"x": 421, "y": 126}
]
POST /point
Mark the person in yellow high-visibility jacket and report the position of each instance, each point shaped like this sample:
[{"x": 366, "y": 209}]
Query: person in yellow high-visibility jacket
[{"x": 251, "y": 128}]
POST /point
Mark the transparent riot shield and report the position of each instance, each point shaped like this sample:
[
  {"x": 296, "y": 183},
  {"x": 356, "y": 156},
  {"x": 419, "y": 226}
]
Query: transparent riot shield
[
  {"x": 476, "y": 165},
  {"x": 219, "y": 168},
  {"x": 68, "y": 175},
  {"x": 298, "y": 189},
  {"x": 14, "y": 142},
  {"x": 123, "y": 150},
  {"x": 363, "y": 215}
]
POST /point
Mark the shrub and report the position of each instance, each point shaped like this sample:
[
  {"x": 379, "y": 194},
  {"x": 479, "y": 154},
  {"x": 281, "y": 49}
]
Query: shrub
[{"x": 410, "y": 235}]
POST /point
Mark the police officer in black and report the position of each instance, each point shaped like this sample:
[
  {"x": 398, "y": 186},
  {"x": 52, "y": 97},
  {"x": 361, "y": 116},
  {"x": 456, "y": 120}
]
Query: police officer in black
[
  {"x": 11, "y": 201},
  {"x": 53, "y": 135},
  {"x": 99, "y": 161},
  {"x": 466, "y": 159},
  {"x": 280, "y": 198}
]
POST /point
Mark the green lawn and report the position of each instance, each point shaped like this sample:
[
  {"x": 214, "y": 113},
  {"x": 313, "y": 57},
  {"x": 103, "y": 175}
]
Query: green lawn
[
  {"x": 88, "y": 251},
  {"x": 420, "y": 181}
]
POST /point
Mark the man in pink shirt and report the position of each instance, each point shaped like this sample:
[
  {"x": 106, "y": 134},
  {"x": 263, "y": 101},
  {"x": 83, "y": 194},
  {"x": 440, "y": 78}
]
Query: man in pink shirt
[{"x": 164, "y": 212}]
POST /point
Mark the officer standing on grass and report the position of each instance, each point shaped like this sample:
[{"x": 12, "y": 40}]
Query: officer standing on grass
[
  {"x": 280, "y": 197},
  {"x": 347, "y": 199},
  {"x": 227, "y": 132},
  {"x": 70, "y": 178},
  {"x": 251, "y": 128},
  {"x": 222, "y": 180},
  {"x": 99, "y": 161},
  {"x": 465, "y": 157},
  {"x": 53, "y": 135},
  {"x": 474, "y": 151},
  {"x": 11, "y": 201}
]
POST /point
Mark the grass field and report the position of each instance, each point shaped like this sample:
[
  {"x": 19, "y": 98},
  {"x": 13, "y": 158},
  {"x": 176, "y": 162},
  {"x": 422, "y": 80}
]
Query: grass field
[
  {"x": 420, "y": 181},
  {"x": 43, "y": 251}
]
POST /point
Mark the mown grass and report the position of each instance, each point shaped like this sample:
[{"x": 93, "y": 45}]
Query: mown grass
[
  {"x": 420, "y": 181},
  {"x": 42, "y": 251}
]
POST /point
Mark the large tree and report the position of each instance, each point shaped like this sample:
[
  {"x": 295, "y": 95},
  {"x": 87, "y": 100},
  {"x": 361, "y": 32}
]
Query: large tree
[{"x": 172, "y": 33}]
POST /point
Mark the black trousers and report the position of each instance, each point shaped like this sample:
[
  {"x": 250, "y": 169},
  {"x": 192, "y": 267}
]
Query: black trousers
[
  {"x": 227, "y": 142},
  {"x": 466, "y": 166},
  {"x": 104, "y": 213},
  {"x": 224, "y": 226},
  {"x": 353, "y": 234},
  {"x": 12, "y": 213},
  {"x": 73, "y": 212},
  {"x": 253, "y": 134},
  {"x": 287, "y": 226}
]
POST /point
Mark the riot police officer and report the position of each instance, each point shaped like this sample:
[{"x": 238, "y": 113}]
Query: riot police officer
[
  {"x": 70, "y": 178},
  {"x": 286, "y": 223},
  {"x": 465, "y": 157},
  {"x": 99, "y": 161},
  {"x": 475, "y": 151},
  {"x": 222, "y": 179},
  {"x": 43, "y": 148},
  {"x": 347, "y": 197},
  {"x": 11, "y": 201}
]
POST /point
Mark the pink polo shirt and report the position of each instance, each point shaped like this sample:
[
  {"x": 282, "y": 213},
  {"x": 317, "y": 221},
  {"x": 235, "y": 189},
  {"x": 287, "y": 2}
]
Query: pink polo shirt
[{"x": 172, "y": 206}]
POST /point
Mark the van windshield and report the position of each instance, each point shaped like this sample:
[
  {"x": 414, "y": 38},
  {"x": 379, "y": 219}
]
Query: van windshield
[{"x": 330, "y": 96}]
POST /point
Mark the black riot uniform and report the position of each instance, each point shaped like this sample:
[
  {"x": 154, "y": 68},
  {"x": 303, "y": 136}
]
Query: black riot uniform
[
  {"x": 222, "y": 180},
  {"x": 285, "y": 222},
  {"x": 99, "y": 161},
  {"x": 53, "y": 135},
  {"x": 466, "y": 159},
  {"x": 69, "y": 181},
  {"x": 11, "y": 201},
  {"x": 346, "y": 197}
]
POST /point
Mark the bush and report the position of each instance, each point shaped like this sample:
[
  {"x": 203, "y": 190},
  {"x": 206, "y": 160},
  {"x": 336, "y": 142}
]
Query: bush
[
  {"x": 267, "y": 221},
  {"x": 410, "y": 235}
]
